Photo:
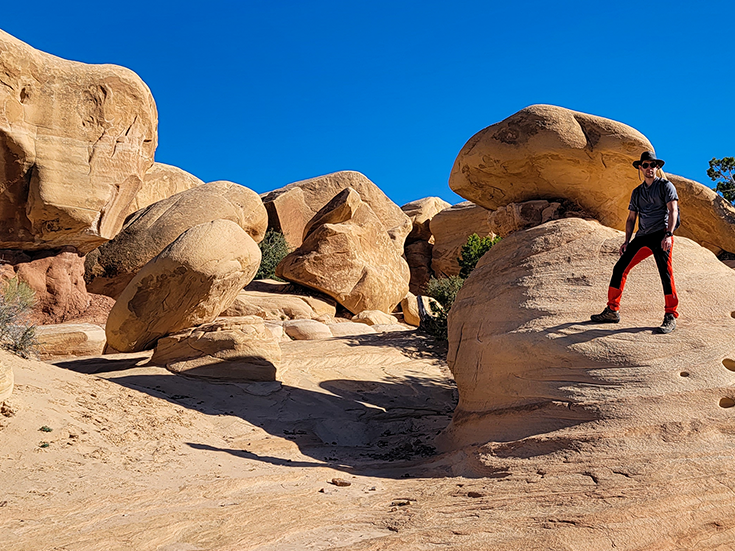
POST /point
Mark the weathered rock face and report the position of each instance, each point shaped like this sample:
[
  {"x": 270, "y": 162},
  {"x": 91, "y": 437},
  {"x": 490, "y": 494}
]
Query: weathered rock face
[
  {"x": 374, "y": 317},
  {"x": 527, "y": 361},
  {"x": 519, "y": 216},
  {"x": 240, "y": 349},
  {"x": 193, "y": 279},
  {"x": 160, "y": 182},
  {"x": 412, "y": 310},
  {"x": 451, "y": 228},
  {"x": 110, "y": 268},
  {"x": 70, "y": 339},
  {"x": 418, "y": 256},
  {"x": 75, "y": 142},
  {"x": 6, "y": 377},
  {"x": 57, "y": 277},
  {"x": 548, "y": 152},
  {"x": 290, "y": 208},
  {"x": 306, "y": 330},
  {"x": 705, "y": 216},
  {"x": 274, "y": 300},
  {"x": 348, "y": 255},
  {"x": 421, "y": 212}
]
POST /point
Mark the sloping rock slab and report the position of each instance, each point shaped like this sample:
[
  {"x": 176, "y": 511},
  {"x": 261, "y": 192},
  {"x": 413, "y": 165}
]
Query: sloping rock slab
[
  {"x": 70, "y": 339},
  {"x": 275, "y": 300}
]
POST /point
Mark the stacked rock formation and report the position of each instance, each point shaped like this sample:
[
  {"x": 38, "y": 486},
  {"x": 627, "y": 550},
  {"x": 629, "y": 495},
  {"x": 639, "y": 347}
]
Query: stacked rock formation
[
  {"x": 160, "y": 182},
  {"x": 420, "y": 242}
]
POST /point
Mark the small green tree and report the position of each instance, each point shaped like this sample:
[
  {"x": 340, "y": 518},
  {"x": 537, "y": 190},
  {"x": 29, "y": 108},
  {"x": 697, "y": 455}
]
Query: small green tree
[
  {"x": 16, "y": 334},
  {"x": 472, "y": 251},
  {"x": 722, "y": 172},
  {"x": 444, "y": 291},
  {"x": 273, "y": 248}
]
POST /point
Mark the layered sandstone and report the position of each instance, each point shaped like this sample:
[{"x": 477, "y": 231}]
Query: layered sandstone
[{"x": 160, "y": 182}]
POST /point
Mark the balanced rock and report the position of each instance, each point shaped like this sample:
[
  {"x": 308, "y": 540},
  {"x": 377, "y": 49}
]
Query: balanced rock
[
  {"x": 110, "y": 268},
  {"x": 57, "y": 279},
  {"x": 548, "y": 152},
  {"x": 69, "y": 339},
  {"x": 189, "y": 283},
  {"x": 706, "y": 217},
  {"x": 290, "y": 208},
  {"x": 451, "y": 228},
  {"x": 421, "y": 212},
  {"x": 527, "y": 361},
  {"x": 348, "y": 255},
  {"x": 240, "y": 348},
  {"x": 275, "y": 300},
  {"x": 6, "y": 376},
  {"x": 160, "y": 182},
  {"x": 75, "y": 143}
]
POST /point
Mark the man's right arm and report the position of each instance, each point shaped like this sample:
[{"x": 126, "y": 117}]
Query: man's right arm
[{"x": 629, "y": 228}]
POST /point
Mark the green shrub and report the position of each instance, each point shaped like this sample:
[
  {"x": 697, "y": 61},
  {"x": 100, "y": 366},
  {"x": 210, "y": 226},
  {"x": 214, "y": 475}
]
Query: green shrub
[
  {"x": 273, "y": 249},
  {"x": 16, "y": 335},
  {"x": 472, "y": 251},
  {"x": 444, "y": 291}
]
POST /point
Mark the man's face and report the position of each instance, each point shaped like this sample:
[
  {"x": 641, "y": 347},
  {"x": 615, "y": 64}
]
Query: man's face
[{"x": 649, "y": 168}]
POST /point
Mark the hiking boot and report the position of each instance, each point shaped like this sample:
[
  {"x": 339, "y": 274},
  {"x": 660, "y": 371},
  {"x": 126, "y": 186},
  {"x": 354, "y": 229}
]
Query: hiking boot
[
  {"x": 669, "y": 324},
  {"x": 607, "y": 316}
]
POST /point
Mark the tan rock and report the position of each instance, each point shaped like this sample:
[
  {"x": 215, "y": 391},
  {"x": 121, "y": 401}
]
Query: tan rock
[
  {"x": 56, "y": 277},
  {"x": 160, "y": 182},
  {"x": 527, "y": 361},
  {"x": 451, "y": 228},
  {"x": 418, "y": 256},
  {"x": 111, "y": 267},
  {"x": 75, "y": 142},
  {"x": 706, "y": 217},
  {"x": 348, "y": 255},
  {"x": 412, "y": 310},
  {"x": 275, "y": 300},
  {"x": 290, "y": 208},
  {"x": 421, "y": 212},
  {"x": 390, "y": 327},
  {"x": 374, "y": 317},
  {"x": 519, "y": 216},
  {"x": 306, "y": 330},
  {"x": 548, "y": 152},
  {"x": 69, "y": 339},
  {"x": 241, "y": 349},
  {"x": 350, "y": 329},
  {"x": 6, "y": 376},
  {"x": 189, "y": 283}
]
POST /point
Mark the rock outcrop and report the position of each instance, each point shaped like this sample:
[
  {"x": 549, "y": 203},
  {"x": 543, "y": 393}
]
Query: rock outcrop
[
  {"x": 160, "y": 182},
  {"x": 348, "y": 255},
  {"x": 274, "y": 300},
  {"x": 451, "y": 228},
  {"x": 374, "y": 317},
  {"x": 189, "y": 283},
  {"x": 519, "y": 216},
  {"x": 239, "y": 349},
  {"x": 421, "y": 212},
  {"x": 528, "y": 362},
  {"x": 70, "y": 339},
  {"x": 548, "y": 152},
  {"x": 111, "y": 267},
  {"x": 6, "y": 376},
  {"x": 290, "y": 208},
  {"x": 420, "y": 242},
  {"x": 75, "y": 143}
]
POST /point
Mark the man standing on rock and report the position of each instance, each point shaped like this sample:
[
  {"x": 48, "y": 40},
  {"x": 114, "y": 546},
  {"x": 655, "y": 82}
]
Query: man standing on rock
[{"x": 654, "y": 204}]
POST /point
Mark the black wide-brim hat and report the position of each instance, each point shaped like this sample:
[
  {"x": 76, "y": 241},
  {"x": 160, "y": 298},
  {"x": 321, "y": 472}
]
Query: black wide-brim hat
[{"x": 649, "y": 156}]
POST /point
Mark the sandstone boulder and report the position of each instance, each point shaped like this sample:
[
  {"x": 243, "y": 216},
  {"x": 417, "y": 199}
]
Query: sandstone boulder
[
  {"x": 527, "y": 361},
  {"x": 275, "y": 300},
  {"x": 6, "y": 376},
  {"x": 69, "y": 339},
  {"x": 548, "y": 152},
  {"x": 706, "y": 217},
  {"x": 374, "y": 317},
  {"x": 111, "y": 267},
  {"x": 350, "y": 329},
  {"x": 412, "y": 310},
  {"x": 451, "y": 228},
  {"x": 160, "y": 182},
  {"x": 348, "y": 255},
  {"x": 56, "y": 277},
  {"x": 290, "y": 208},
  {"x": 240, "y": 349},
  {"x": 419, "y": 256},
  {"x": 519, "y": 216},
  {"x": 421, "y": 212},
  {"x": 306, "y": 330},
  {"x": 75, "y": 143},
  {"x": 189, "y": 283}
]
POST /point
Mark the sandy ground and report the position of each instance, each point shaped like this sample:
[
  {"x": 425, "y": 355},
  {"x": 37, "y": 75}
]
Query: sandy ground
[{"x": 139, "y": 458}]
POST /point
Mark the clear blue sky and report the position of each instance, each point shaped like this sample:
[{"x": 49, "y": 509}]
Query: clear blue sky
[{"x": 268, "y": 92}]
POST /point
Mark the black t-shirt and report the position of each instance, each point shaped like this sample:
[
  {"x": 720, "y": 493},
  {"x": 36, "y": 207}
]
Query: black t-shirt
[{"x": 650, "y": 204}]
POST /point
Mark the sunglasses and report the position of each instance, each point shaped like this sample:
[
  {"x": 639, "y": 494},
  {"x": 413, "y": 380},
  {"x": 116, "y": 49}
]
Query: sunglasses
[{"x": 646, "y": 165}]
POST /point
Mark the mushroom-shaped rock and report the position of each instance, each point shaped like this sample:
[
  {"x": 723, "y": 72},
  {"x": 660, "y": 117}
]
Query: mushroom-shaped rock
[
  {"x": 290, "y": 208},
  {"x": 6, "y": 376},
  {"x": 75, "y": 143},
  {"x": 160, "y": 182},
  {"x": 527, "y": 361},
  {"x": 110, "y": 268},
  {"x": 189, "y": 283},
  {"x": 548, "y": 152},
  {"x": 451, "y": 228},
  {"x": 421, "y": 212},
  {"x": 239, "y": 348},
  {"x": 348, "y": 255}
]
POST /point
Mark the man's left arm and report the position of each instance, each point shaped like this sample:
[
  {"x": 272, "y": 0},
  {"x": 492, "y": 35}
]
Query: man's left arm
[{"x": 668, "y": 240}]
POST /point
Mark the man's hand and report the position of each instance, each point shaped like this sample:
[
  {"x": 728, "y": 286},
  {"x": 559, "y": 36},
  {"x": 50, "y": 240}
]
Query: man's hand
[
  {"x": 666, "y": 243},
  {"x": 623, "y": 247}
]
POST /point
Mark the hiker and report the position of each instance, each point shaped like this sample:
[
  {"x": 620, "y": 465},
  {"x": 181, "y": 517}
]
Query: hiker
[{"x": 654, "y": 203}]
